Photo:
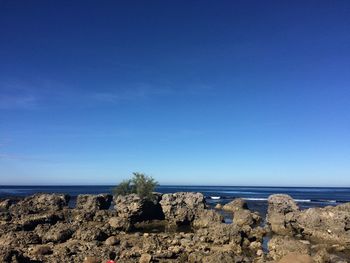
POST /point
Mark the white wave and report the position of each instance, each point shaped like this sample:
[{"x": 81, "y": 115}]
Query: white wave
[
  {"x": 255, "y": 199},
  {"x": 302, "y": 200},
  {"x": 215, "y": 197}
]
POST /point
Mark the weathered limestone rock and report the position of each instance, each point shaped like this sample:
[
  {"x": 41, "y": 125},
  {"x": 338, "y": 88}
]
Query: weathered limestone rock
[
  {"x": 94, "y": 202},
  {"x": 206, "y": 218},
  {"x": 40, "y": 203},
  {"x": 244, "y": 217},
  {"x": 29, "y": 222},
  {"x": 181, "y": 208},
  {"x": 58, "y": 233},
  {"x": 280, "y": 246},
  {"x": 281, "y": 210},
  {"x": 330, "y": 224},
  {"x": 137, "y": 209},
  {"x": 236, "y": 204}
]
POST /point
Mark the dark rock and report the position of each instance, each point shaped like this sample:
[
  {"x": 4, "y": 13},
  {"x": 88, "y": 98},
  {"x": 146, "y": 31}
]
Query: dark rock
[
  {"x": 11, "y": 255},
  {"x": 29, "y": 222}
]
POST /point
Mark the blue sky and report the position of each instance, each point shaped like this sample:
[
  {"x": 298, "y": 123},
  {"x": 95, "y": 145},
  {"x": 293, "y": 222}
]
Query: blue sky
[{"x": 189, "y": 92}]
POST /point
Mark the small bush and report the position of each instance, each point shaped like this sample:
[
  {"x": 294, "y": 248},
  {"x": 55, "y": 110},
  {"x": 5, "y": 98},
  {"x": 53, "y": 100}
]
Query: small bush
[{"x": 140, "y": 184}]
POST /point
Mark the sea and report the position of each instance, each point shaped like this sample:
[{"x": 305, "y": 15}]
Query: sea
[{"x": 256, "y": 197}]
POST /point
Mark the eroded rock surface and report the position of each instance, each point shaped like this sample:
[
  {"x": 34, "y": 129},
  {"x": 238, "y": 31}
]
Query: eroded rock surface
[{"x": 181, "y": 208}]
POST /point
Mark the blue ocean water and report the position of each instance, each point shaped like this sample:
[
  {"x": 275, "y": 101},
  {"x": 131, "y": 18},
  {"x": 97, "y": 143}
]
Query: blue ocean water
[{"x": 256, "y": 196}]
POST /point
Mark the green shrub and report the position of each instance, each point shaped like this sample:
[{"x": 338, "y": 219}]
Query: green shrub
[{"x": 139, "y": 184}]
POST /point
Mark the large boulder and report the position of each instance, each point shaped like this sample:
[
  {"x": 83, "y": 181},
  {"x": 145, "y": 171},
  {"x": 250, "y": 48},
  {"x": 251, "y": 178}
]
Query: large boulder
[
  {"x": 244, "y": 217},
  {"x": 241, "y": 214},
  {"x": 281, "y": 211},
  {"x": 327, "y": 225},
  {"x": 137, "y": 209},
  {"x": 40, "y": 203},
  {"x": 181, "y": 208},
  {"x": 236, "y": 204},
  {"x": 94, "y": 202}
]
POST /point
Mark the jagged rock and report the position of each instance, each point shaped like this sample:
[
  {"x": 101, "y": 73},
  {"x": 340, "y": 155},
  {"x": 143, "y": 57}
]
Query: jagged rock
[
  {"x": 280, "y": 246},
  {"x": 40, "y": 203},
  {"x": 181, "y": 208},
  {"x": 330, "y": 224},
  {"x": 236, "y": 204},
  {"x": 281, "y": 211},
  {"x": 220, "y": 234},
  {"x": 206, "y": 218},
  {"x": 17, "y": 239},
  {"x": 94, "y": 202},
  {"x": 91, "y": 232},
  {"x": 29, "y": 222},
  {"x": 137, "y": 209},
  {"x": 58, "y": 233}
]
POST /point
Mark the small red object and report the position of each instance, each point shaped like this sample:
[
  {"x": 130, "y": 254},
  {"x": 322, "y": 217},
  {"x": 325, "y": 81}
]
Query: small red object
[{"x": 111, "y": 261}]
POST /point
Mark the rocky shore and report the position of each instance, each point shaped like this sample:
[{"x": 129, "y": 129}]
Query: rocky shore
[{"x": 169, "y": 228}]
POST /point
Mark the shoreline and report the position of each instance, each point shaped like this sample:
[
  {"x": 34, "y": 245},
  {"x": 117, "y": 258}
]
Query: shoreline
[{"x": 43, "y": 227}]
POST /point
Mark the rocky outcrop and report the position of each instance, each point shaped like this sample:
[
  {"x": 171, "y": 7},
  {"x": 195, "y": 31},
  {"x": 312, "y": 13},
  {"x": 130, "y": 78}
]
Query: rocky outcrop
[
  {"x": 329, "y": 225},
  {"x": 136, "y": 209},
  {"x": 88, "y": 234},
  {"x": 281, "y": 213},
  {"x": 94, "y": 202},
  {"x": 182, "y": 208},
  {"x": 40, "y": 203}
]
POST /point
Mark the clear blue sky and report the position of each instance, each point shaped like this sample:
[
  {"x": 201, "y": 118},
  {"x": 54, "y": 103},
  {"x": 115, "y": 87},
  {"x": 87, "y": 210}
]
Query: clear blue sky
[{"x": 189, "y": 92}]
